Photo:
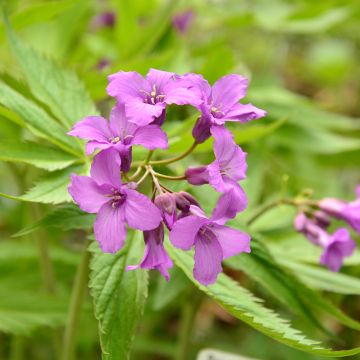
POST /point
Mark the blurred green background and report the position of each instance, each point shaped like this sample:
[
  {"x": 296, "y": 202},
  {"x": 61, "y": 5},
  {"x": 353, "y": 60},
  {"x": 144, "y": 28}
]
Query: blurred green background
[{"x": 302, "y": 59}]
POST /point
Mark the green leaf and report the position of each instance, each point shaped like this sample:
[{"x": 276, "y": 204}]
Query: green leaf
[
  {"x": 41, "y": 156},
  {"x": 59, "y": 89},
  {"x": 323, "y": 279},
  {"x": 51, "y": 189},
  {"x": 262, "y": 267},
  {"x": 66, "y": 217},
  {"x": 239, "y": 302},
  {"x": 21, "y": 312},
  {"x": 38, "y": 121},
  {"x": 119, "y": 299}
]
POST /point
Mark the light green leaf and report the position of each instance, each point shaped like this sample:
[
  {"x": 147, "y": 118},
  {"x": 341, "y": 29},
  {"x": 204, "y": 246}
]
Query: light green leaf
[
  {"x": 38, "y": 121},
  {"x": 21, "y": 312},
  {"x": 41, "y": 156},
  {"x": 262, "y": 267},
  {"x": 59, "y": 89},
  {"x": 52, "y": 188},
  {"x": 323, "y": 279},
  {"x": 119, "y": 299},
  {"x": 239, "y": 302},
  {"x": 67, "y": 217}
]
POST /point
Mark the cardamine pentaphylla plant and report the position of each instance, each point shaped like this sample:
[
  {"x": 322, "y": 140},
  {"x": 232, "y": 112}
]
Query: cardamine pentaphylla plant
[{"x": 113, "y": 189}]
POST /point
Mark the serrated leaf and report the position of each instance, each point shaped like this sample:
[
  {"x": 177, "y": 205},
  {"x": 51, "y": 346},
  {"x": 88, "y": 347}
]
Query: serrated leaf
[
  {"x": 52, "y": 188},
  {"x": 239, "y": 302},
  {"x": 41, "y": 156},
  {"x": 119, "y": 299},
  {"x": 260, "y": 266},
  {"x": 66, "y": 217},
  {"x": 59, "y": 89},
  {"x": 38, "y": 121}
]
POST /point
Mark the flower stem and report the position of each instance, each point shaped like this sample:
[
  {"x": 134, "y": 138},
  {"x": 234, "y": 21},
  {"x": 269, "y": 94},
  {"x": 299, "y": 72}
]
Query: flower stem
[
  {"x": 168, "y": 177},
  {"x": 188, "y": 314},
  {"x": 292, "y": 202},
  {"x": 149, "y": 156},
  {"x": 77, "y": 296},
  {"x": 146, "y": 173},
  {"x": 176, "y": 158}
]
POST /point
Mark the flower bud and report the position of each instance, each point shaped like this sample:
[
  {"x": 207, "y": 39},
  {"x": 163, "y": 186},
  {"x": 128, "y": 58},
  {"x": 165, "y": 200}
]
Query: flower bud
[
  {"x": 167, "y": 204},
  {"x": 321, "y": 219},
  {"x": 201, "y": 130},
  {"x": 184, "y": 200},
  {"x": 197, "y": 175}
]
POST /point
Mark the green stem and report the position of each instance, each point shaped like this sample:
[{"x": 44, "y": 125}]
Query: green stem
[
  {"x": 77, "y": 296},
  {"x": 168, "y": 177},
  {"x": 176, "y": 158},
  {"x": 188, "y": 314},
  {"x": 292, "y": 202},
  {"x": 149, "y": 156}
]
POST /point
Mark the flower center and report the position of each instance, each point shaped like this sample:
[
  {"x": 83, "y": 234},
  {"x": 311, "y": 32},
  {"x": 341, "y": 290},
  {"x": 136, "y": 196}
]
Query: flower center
[
  {"x": 115, "y": 140},
  {"x": 216, "y": 113},
  {"x": 117, "y": 198},
  {"x": 153, "y": 97}
]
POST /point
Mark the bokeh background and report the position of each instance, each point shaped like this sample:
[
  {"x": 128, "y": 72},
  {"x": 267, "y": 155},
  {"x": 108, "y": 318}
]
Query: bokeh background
[{"x": 302, "y": 59}]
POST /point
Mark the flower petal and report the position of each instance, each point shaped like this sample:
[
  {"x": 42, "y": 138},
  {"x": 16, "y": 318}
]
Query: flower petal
[
  {"x": 232, "y": 241},
  {"x": 155, "y": 255},
  {"x": 184, "y": 231},
  {"x": 230, "y": 156},
  {"x": 92, "y": 128},
  {"x": 151, "y": 137},
  {"x": 109, "y": 228},
  {"x": 91, "y": 146},
  {"x": 208, "y": 257},
  {"x": 243, "y": 113},
  {"x": 105, "y": 168},
  {"x": 119, "y": 123},
  {"x": 229, "y": 204},
  {"x": 228, "y": 90},
  {"x": 87, "y": 193},
  {"x": 140, "y": 212},
  {"x": 127, "y": 86},
  {"x": 158, "y": 78},
  {"x": 141, "y": 113}
]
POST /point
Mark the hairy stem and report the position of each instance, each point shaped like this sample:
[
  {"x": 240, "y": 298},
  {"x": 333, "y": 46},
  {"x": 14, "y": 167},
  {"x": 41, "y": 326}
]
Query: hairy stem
[{"x": 77, "y": 296}]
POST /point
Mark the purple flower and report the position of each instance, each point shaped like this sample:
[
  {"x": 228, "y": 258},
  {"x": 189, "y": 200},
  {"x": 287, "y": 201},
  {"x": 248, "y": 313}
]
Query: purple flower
[
  {"x": 146, "y": 98},
  {"x": 182, "y": 21},
  {"x": 115, "y": 204},
  {"x": 118, "y": 133},
  {"x": 155, "y": 255},
  {"x": 346, "y": 211},
  {"x": 228, "y": 168},
  {"x": 336, "y": 246},
  {"x": 213, "y": 241},
  {"x": 105, "y": 19},
  {"x": 221, "y": 103}
]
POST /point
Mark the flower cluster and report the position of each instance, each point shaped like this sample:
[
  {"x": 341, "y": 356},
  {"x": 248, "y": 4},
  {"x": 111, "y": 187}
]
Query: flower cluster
[
  {"x": 314, "y": 226},
  {"x": 112, "y": 191}
]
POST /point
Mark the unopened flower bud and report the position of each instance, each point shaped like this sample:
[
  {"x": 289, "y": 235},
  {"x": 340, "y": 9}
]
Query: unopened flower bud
[
  {"x": 184, "y": 200},
  {"x": 201, "y": 130},
  {"x": 321, "y": 219},
  {"x": 166, "y": 203},
  {"x": 197, "y": 175}
]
